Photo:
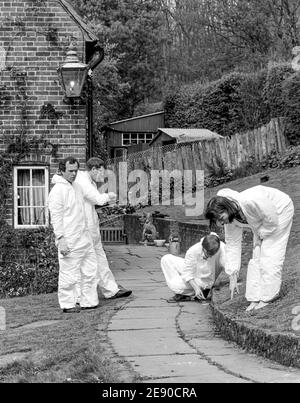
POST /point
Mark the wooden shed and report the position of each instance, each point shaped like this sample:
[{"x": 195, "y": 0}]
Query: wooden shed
[{"x": 132, "y": 135}]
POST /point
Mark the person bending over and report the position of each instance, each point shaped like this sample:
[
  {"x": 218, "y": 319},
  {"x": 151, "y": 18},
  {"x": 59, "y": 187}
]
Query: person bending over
[{"x": 269, "y": 213}]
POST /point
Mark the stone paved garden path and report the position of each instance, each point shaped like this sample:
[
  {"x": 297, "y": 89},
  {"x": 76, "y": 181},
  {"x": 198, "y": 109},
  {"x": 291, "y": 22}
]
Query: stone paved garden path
[{"x": 176, "y": 343}]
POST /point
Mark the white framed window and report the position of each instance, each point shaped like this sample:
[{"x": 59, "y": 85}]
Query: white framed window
[
  {"x": 31, "y": 189},
  {"x": 136, "y": 138}
]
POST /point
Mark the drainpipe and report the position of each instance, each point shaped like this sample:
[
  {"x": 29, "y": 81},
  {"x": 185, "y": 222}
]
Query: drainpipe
[{"x": 95, "y": 60}]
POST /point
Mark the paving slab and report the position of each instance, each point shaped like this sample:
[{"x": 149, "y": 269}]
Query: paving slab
[
  {"x": 188, "y": 366},
  {"x": 145, "y": 303},
  {"x": 146, "y": 313},
  {"x": 136, "y": 343},
  {"x": 140, "y": 324},
  {"x": 197, "y": 379}
]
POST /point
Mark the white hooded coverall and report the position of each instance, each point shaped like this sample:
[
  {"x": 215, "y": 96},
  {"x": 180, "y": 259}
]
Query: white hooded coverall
[
  {"x": 92, "y": 197},
  {"x": 80, "y": 265},
  {"x": 179, "y": 271},
  {"x": 269, "y": 213}
]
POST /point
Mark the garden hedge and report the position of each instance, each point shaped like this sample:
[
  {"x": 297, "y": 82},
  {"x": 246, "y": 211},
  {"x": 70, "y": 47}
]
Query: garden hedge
[{"x": 239, "y": 102}]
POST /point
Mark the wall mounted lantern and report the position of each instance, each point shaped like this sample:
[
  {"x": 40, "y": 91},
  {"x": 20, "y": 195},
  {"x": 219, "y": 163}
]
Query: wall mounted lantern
[{"x": 72, "y": 74}]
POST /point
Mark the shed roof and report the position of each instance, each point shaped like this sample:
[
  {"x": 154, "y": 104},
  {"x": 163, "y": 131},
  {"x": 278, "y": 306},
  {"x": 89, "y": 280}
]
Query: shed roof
[
  {"x": 136, "y": 118},
  {"x": 89, "y": 35},
  {"x": 187, "y": 135}
]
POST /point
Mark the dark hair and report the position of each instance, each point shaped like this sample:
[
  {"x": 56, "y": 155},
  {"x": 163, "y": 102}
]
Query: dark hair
[
  {"x": 218, "y": 205},
  {"x": 211, "y": 243},
  {"x": 94, "y": 162},
  {"x": 71, "y": 160}
]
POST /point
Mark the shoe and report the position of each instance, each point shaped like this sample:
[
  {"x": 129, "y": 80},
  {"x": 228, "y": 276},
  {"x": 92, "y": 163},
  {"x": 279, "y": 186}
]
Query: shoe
[
  {"x": 71, "y": 310},
  {"x": 121, "y": 293},
  {"x": 251, "y": 306},
  {"x": 85, "y": 308},
  {"x": 179, "y": 298},
  {"x": 260, "y": 305}
]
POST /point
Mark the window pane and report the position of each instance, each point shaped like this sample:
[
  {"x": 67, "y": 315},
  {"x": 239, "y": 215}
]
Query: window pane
[
  {"x": 23, "y": 197},
  {"x": 126, "y": 136},
  {"x": 125, "y": 142},
  {"x": 38, "y": 196},
  {"x": 149, "y": 136},
  {"x": 24, "y": 216},
  {"x": 38, "y": 177},
  {"x": 39, "y": 217},
  {"x": 134, "y": 136},
  {"x": 23, "y": 177}
]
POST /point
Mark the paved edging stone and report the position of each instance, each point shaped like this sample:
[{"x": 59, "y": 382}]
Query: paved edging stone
[{"x": 279, "y": 347}]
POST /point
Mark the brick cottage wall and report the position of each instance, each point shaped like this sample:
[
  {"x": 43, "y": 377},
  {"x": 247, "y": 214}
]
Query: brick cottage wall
[{"x": 35, "y": 35}]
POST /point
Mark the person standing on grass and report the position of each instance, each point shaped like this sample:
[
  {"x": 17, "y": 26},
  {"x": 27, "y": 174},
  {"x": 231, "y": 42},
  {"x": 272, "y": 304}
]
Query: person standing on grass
[
  {"x": 87, "y": 180},
  {"x": 269, "y": 213},
  {"x": 76, "y": 254},
  {"x": 195, "y": 275}
]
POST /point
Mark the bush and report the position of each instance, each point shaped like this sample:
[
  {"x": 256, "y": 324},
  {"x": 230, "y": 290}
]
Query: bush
[
  {"x": 273, "y": 91},
  {"x": 29, "y": 263},
  {"x": 239, "y": 102},
  {"x": 226, "y": 106},
  {"x": 291, "y": 93}
]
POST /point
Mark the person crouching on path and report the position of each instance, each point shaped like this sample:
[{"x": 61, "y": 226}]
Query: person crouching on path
[
  {"x": 76, "y": 254},
  {"x": 269, "y": 213},
  {"x": 87, "y": 182},
  {"x": 195, "y": 275}
]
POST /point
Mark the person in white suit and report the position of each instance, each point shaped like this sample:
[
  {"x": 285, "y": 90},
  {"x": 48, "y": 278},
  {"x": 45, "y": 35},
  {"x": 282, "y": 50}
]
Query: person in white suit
[
  {"x": 269, "y": 213},
  {"x": 194, "y": 276},
  {"x": 92, "y": 197},
  {"x": 76, "y": 254}
]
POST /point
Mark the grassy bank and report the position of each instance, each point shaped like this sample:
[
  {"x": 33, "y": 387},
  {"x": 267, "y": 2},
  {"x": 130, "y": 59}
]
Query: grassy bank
[{"x": 54, "y": 347}]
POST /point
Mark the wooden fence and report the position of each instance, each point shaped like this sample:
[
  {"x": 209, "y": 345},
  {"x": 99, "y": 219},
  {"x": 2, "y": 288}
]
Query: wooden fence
[{"x": 233, "y": 151}]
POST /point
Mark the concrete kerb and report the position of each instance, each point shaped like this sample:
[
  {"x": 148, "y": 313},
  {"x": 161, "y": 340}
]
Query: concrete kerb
[{"x": 279, "y": 347}]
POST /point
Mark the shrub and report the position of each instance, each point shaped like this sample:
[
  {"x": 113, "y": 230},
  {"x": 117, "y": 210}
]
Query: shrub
[
  {"x": 239, "y": 102},
  {"x": 226, "y": 106},
  {"x": 29, "y": 263},
  {"x": 273, "y": 89},
  {"x": 291, "y": 93}
]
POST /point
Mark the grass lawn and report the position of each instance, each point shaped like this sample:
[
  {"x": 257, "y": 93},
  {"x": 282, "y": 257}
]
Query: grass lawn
[{"x": 59, "y": 347}]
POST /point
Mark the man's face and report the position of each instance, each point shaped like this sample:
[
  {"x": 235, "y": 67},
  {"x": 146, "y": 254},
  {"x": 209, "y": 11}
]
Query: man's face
[
  {"x": 97, "y": 174},
  {"x": 70, "y": 172},
  {"x": 207, "y": 255}
]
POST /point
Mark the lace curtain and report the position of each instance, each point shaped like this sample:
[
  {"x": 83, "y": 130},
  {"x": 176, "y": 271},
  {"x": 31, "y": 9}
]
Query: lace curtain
[{"x": 31, "y": 196}]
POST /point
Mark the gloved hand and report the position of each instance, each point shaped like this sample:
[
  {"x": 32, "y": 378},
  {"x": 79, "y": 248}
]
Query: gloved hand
[
  {"x": 233, "y": 285},
  {"x": 63, "y": 247},
  {"x": 197, "y": 289},
  {"x": 112, "y": 197}
]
